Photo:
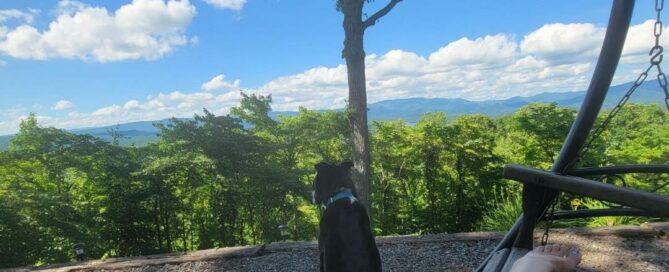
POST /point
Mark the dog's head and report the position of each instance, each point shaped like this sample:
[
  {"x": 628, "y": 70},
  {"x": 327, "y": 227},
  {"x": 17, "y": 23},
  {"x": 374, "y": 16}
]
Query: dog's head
[{"x": 329, "y": 179}]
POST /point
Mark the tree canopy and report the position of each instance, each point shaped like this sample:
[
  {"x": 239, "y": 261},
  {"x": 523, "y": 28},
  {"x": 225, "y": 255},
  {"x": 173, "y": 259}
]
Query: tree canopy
[{"x": 226, "y": 180}]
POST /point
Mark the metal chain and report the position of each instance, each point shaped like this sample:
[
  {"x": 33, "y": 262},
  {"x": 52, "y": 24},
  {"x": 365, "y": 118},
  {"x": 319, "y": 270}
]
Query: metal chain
[
  {"x": 549, "y": 220},
  {"x": 595, "y": 134},
  {"x": 655, "y": 61},
  {"x": 657, "y": 32}
]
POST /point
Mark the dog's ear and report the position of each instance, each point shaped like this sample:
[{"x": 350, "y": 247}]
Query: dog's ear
[
  {"x": 320, "y": 166},
  {"x": 346, "y": 165}
]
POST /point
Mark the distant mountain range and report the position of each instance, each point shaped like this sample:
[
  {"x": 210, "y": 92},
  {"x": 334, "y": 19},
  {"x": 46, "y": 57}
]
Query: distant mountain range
[{"x": 410, "y": 110}]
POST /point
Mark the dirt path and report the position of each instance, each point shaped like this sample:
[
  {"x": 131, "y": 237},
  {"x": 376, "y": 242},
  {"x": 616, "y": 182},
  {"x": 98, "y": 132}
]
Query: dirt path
[{"x": 628, "y": 248}]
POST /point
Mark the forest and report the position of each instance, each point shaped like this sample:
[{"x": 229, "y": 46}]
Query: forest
[{"x": 217, "y": 181}]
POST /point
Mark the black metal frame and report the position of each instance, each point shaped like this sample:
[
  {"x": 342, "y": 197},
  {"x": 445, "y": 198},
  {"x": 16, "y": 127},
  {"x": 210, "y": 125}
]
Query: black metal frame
[
  {"x": 655, "y": 204},
  {"x": 622, "y": 169},
  {"x": 596, "y": 213},
  {"x": 540, "y": 187}
]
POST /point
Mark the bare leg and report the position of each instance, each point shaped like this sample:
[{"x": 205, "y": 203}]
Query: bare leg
[{"x": 549, "y": 258}]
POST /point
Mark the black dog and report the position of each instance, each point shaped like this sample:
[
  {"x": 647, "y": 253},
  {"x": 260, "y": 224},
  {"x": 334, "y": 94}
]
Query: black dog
[{"x": 345, "y": 241}]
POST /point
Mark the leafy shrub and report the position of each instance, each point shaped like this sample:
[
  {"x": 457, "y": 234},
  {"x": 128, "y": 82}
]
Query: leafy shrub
[
  {"x": 608, "y": 221},
  {"x": 503, "y": 215}
]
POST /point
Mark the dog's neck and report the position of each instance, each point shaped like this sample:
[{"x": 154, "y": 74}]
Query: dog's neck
[{"x": 340, "y": 194}]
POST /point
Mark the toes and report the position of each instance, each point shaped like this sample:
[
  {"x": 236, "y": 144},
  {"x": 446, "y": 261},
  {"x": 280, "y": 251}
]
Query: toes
[
  {"x": 559, "y": 250},
  {"x": 555, "y": 250},
  {"x": 539, "y": 249},
  {"x": 574, "y": 256}
]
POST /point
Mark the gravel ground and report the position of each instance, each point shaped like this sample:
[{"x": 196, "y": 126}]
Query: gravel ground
[
  {"x": 604, "y": 249},
  {"x": 433, "y": 255},
  {"x": 622, "y": 252}
]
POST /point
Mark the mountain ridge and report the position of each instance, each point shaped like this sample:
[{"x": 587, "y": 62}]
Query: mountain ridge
[{"x": 408, "y": 109}]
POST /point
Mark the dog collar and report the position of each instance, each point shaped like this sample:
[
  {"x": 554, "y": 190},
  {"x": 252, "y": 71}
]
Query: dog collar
[{"x": 340, "y": 195}]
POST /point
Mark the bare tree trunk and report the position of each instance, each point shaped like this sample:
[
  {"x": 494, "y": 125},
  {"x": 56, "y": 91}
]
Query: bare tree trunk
[
  {"x": 357, "y": 96},
  {"x": 354, "y": 54}
]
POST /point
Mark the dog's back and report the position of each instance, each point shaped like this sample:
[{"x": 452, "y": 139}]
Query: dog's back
[{"x": 346, "y": 242}]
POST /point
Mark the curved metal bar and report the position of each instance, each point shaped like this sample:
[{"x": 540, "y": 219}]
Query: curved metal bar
[
  {"x": 504, "y": 243},
  {"x": 623, "y": 169},
  {"x": 619, "y": 22},
  {"x": 597, "y": 213},
  {"x": 616, "y": 31}
]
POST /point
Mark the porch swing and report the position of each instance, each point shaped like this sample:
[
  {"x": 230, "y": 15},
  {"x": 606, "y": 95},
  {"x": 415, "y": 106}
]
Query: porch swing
[{"x": 541, "y": 189}]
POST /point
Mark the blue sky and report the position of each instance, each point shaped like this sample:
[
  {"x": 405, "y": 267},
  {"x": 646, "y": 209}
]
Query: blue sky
[{"x": 88, "y": 63}]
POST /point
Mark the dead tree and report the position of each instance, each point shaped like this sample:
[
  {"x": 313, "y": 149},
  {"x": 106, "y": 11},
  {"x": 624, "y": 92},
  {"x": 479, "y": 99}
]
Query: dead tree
[{"x": 354, "y": 54}]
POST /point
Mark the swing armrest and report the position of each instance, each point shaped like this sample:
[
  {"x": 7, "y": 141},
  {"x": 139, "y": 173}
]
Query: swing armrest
[{"x": 651, "y": 202}]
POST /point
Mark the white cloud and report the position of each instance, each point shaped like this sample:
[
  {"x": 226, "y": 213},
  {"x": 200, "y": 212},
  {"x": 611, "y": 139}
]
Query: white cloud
[
  {"x": 157, "y": 107},
  {"x": 486, "y": 51},
  {"x": 567, "y": 43},
  {"x": 10, "y": 118},
  {"x": 219, "y": 83},
  {"x": 22, "y": 16},
  {"x": 320, "y": 87},
  {"x": 227, "y": 4},
  {"x": 108, "y": 111},
  {"x": 556, "y": 57},
  {"x": 397, "y": 61},
  {"x": 639, "y": 40},
  {"x": 143, "y": 29},
  {"x": 69, "y": 7},
  {"x": 564, "y": 42},
  {"x": 130, "y": 105},
  {"x": 484, "y": 68},
  {"x": 62, "y": 105}
]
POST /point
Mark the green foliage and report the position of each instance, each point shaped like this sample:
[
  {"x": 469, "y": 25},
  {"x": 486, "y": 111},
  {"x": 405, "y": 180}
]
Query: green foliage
[
  {"x": 231, "y": 180},
  {"x": 19, "y": 246},
  {"x": 503, "y": 214},
  {"x": 534, "y": 135},
  {"x": 608, "y": 221}
]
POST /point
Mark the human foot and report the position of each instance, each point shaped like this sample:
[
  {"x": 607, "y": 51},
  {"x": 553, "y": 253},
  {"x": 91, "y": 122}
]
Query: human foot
[{"x": 550, "y": 258}]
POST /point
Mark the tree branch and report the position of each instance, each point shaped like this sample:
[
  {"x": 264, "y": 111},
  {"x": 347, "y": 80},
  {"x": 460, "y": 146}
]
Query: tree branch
[{"x": 376, "y": 16}]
